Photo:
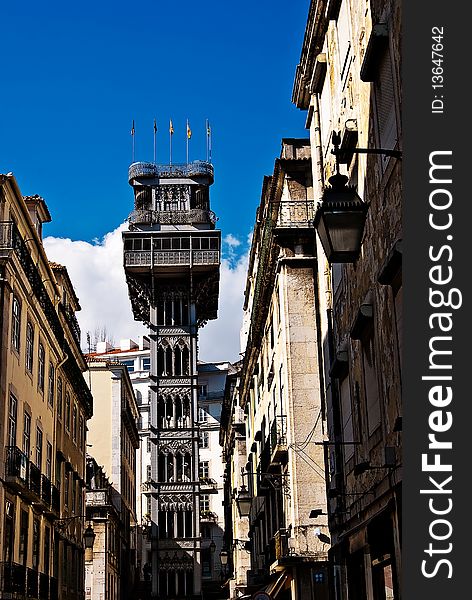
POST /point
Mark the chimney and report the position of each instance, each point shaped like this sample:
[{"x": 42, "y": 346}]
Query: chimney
[
  {"x": 103, "y": 347},
  {"x": 127, "y": 344}
]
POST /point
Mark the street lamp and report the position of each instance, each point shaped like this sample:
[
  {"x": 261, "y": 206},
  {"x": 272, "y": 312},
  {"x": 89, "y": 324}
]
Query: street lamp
[
  {"x": 243, "y": 501},
  {"x": 224, "y": 558},
  {"x": 340, "y": 221},
  {"x": 89, "y": 536},
  {"x": 340, "y": 217},
  {"x": 212, "y": 546}
]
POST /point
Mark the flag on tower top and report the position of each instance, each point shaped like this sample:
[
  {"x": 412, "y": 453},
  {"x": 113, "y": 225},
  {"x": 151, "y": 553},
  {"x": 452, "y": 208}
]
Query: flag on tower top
[
  {"x": 155, "y": 126},
  {"x": 189, "y": 131},
  {"x": 171, "y": 127},
  {"x": 132, "y": 128}
]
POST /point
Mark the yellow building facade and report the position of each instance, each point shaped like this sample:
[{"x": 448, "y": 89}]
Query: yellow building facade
[{"x": 44, "y": 406}]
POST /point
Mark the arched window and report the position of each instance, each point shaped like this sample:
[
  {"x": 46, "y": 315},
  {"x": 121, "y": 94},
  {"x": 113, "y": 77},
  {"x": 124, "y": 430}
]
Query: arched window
[
  {"x": 170, "y": 468},
  {"x": 161, "y": 466},
  {"x": 168, "y": 362},
  {"x": 185, "y": 361},
  {"x": 160, "y": 412},
  {"x": 169, "y": 412},
  {"x": 178, "y": 411},
  {"x": 178, "y": 361},
  {"x": 160, "y": 361},
  {"x": 187, "y": 467}
]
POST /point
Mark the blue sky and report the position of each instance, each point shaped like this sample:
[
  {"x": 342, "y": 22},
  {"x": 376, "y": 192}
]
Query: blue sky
[{"x": 74, "y": 75}]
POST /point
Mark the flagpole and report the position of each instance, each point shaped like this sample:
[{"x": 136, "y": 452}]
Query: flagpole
[
  {"x": 187, "y": 137},
  {"x": 170, "y": 142},
  {"x": 209, "y": 142},
  {"x": 132, "y": 143},
  {"x": 155, "y": 131},
  {"x": 207, "y": 136}
]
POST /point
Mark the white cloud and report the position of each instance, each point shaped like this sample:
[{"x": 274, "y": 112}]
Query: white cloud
[
  {"x": 96, "y": 271},
  {"x": 231, "y": 240}
]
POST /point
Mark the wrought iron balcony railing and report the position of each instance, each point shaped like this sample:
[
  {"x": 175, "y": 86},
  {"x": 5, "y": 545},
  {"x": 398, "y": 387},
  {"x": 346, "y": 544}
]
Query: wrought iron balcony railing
[
  {"x": 6, "y": 235},
  {"x": 32, "y": 583},
  {"x": 296, "y": 214},
  {"x": 193, "y": 169},
  {"x": 173, "y": 217},
  {"x": 136, "y": 258},
  {"x": 13, "y": 579},
  {"x": 16, "y": 465}
]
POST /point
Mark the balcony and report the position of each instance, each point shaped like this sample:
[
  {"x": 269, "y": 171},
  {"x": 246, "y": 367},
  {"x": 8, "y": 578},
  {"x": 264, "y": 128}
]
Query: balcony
[
  {"x": 16, "y": 469},
  {"x": 6, "y": 236},
  {"x": 13, "y": 579},
  {"x": 296, "y": 214},
  {"x": 173, "y": 217},
  {"x": 197, "y": 168},
  {"x": 170, "y": 258},
  {"x": 278, "y": 441},
  {"x": 32, "y": 583},
  {"x": 43, "y": 586},
  {"x": 208, "y": 485}
]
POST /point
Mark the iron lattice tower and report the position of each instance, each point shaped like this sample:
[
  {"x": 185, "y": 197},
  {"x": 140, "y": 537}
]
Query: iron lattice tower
[{"x": 172, "y": 263}]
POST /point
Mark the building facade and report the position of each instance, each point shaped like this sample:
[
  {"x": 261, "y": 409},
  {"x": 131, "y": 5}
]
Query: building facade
[
  {"x": 171, "y": 259},
  {"x": 44, "y": 406},
  {"x": 113, "y": 440},
  {"x": 348, "y": 81},
  {"x": 280, "y": 389},
  {"x": 103, "y": 511}
]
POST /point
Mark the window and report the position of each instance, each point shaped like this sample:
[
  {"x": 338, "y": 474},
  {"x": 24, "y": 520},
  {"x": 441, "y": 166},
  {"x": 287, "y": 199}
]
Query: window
[
  {"x": 39, "y": 447},
  {"x": 16, "y": 323},
  {"x": 67, "y": 412},
  {"x": 204, "y": 441},
  {"x": 384, "y": 93},
  {"x": 24, "y": 526},
  {"x": 29, "y": 347},
  {"x": 74, "y": 423},
  {"x": 59, "y": 398},
  {"x": 12, "y": 420},
  {"x": 148, "y": 472},
  {"x": 204, "y": 470},
  {"x": 35, "y": 549},
  {"x": 129, "y": 364},
  {"x": 41, "y": 366},
  {"x": 49, "y": 460},
  {"x": 370, "y": 380},
  {"x": 203, "y": 415},
  {"x": 203, "y": 390},
  {"x": 26, "y": 434},
  {"x": 146, "y": 363},
  {"x": 51, "y": 385},
  {"x": 66, "y": 488},
  {"x": 81, "y": 432},
  {"x": 148, "y": 445},
  {"x": 346, "y": 417},
  {"x": 204, "y": 502}
]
